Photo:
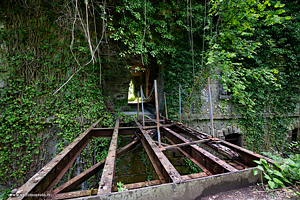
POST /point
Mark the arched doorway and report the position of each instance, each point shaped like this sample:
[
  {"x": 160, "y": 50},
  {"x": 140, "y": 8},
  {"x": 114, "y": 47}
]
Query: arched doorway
[{"x": 234, "y": 138}]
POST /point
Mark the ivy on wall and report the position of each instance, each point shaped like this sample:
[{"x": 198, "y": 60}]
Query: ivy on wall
[
  {"x": 253, "y": 47},
  {"x": 36, "y": 60},
  {"x": 254, "y": 44}
]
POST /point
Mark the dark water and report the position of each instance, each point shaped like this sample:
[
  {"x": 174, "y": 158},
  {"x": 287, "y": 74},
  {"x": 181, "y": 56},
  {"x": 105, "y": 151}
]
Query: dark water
[{"x": 135, "y": 166}]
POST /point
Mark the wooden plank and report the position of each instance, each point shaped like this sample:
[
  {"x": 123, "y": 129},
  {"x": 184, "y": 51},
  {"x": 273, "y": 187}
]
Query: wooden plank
[
  {"x": 106, "y": 183},
  {"x": 185, "y": 144}
]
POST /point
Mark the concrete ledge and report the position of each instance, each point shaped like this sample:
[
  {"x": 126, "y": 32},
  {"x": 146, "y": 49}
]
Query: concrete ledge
[{"x": 191, "y": 189}]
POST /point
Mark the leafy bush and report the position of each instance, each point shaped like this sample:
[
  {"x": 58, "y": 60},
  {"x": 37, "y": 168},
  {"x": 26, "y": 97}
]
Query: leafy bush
[{"x": 282, "y": 174}]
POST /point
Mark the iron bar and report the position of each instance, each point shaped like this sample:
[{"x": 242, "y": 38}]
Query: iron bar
[
  {"x": 185, "y": 144},
  {"x": 142, "y": 96},
  {"x": 42, "y": 180},
  {"x": 157, "y": 113},
  {"x": 138, "y": 106},
  {"x": 179, "y": 104},
  {"x": 166, "y": 109},
  {"x": 107, "y": 178},
  {"x": 210, "y": 108},
  {"x": 167, "y": 170}
]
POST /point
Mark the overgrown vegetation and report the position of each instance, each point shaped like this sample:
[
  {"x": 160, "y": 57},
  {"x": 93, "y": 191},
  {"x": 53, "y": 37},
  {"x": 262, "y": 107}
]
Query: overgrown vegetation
[
  {"x": 255, "y": 48},
  {"x": 284, "y": 174},
  {"x": 56, "y": 55}
]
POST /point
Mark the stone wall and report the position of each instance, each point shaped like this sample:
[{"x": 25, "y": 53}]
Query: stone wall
[{"x": 225, "y": 119}]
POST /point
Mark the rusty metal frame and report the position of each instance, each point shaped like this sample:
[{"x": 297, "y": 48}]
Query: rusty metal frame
[{"x": 48, "y": 177}]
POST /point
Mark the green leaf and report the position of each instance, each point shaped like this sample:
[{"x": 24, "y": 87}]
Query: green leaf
[
  {"x": 272, "y": 185},
  {"x": 277, "y": 173},
  {"x": 260, "y": 168},
  {"x": 255, "y": 172},
  {"x": 276, "y": 180}
]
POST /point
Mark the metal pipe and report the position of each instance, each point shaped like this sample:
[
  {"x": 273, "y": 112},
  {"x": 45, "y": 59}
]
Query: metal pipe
[
  {"x": 142, "y": 96},
  {"x": 166, "y": 105},
  {"x": 138, "y": 106},
  {"x": 210, "y": 108},
  {"x": 157, "y": 112},
  {"x": 179, "y": 105}
]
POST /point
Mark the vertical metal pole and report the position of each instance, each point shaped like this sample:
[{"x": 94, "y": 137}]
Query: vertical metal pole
[
  {"x": 138, "y": 106},
  {"x": 142, "y": 96},
  {"x": 179, "y": 104},
  {"x": 157, "y": 112},
  {"x": 210, "y": 108},
  {"x": 166, "y": 105}
]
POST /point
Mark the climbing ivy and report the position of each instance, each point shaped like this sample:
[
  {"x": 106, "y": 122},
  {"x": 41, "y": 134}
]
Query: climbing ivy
[
  {"x": 251, "y": 46},
  {"x": 36, "y": 60}
]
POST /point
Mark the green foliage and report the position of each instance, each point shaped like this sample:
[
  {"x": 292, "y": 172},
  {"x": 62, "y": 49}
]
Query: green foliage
[
  {"x": 287, "y": 172},
  {"x": 120, "y": 187},
  {"x": 252, "y": 48},
  {"x": 193, "y": 167},
  {"x": 30, "y": 116}
]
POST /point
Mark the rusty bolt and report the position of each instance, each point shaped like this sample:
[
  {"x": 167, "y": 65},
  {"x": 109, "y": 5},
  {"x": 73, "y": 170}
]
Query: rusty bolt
[
  {"x": 14, "y": 191},
  {"x": 56, "y": 160},
  {"x": 36, "y": 181}
]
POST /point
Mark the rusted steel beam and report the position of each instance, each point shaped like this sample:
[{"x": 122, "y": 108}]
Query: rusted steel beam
[
  {"x": 191, "y": 158},
  {"x": 74, "y": 182},
  {"x": 108, "y": 132},
  {"x": 167, "y": 170},
  {"x": 186, "y": 144},
  {"x": 246, "y": 157},
  {"x": 209, "y": 161},
  {"x": 107, "y": 178},
  {"x": 76, "y": 194},
  {"x": 138, "y": 185},
  {"x": 62, "y": 172},
  {"x": 154, "y": 163},
  {"x": 42, "y": 180},
  {"x": 124, "y": 131},
  {"x": 149, "y": 120},
  {"x": 194, "y": 176}
]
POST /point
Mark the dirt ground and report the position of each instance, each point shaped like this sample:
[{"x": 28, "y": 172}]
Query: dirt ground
[{"x": 254, "y": 193}]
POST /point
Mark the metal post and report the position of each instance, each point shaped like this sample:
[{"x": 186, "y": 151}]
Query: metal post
[
  {"x": 138, "y": 106},
  {"x": 179, "y": 105},
  {"x": 166, "y": 105},
  {"x": 142, "y": 96},
  {"x": 157, "y": 112},
  {"x": 210, "y": 108}
]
